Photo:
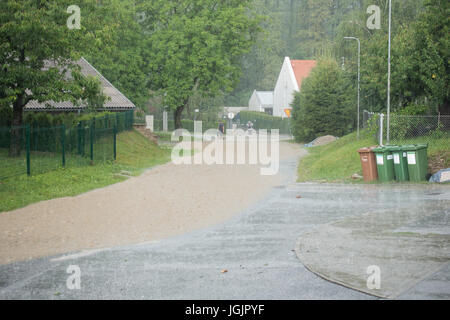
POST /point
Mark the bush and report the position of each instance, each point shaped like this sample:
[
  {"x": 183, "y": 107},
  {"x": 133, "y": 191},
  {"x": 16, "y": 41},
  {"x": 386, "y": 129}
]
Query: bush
[
  {"x": 264, "y": 121},
  {"x": 186, "y": 124},
  {"x": 46, "y": 127},
  {"x": 47, "y": 120},
  {"x": 325, "y": 104}
]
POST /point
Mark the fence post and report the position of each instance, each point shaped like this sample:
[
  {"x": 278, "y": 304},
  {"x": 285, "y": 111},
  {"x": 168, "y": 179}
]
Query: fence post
[
  {"x": 63, "y": 144},
  {"x": 79, "y": 138},
  {"x": 27, "y": 137},
  {"x": 381, "y": 128},
  {"x": 131, "y": 119},
  {"x": 115, "y": 142},
  {"x": 83, "y": 137},
  {"x": 92, "y": 141},
  {"x": 117, "y": 119},
  {"x": 106, "y": 121}
]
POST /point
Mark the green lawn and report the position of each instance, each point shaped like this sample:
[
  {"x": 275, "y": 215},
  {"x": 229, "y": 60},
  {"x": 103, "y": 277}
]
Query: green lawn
[
  {"x": 135, "y": 153},
  {"x": 339, "y": 160}
]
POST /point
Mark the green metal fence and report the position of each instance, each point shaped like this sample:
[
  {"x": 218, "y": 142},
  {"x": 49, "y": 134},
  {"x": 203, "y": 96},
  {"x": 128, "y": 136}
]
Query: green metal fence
[{"x": 44, "y": 149}]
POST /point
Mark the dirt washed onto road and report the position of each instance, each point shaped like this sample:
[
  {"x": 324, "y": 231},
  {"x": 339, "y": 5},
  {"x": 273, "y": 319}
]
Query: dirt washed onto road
[{"x": 165, "y": 201}]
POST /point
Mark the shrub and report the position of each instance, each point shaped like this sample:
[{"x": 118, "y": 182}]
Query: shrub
[
  {"x": 264, "y": 121},
  {"x": 325, "y": 104}
]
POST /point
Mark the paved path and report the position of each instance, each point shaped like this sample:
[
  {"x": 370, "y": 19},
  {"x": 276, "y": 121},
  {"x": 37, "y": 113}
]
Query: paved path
[{"x": 402, "y": 236}]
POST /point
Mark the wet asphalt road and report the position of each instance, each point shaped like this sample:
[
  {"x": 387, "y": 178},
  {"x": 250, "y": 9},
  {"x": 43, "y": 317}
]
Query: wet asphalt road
[{"x": 255, "y": 248}]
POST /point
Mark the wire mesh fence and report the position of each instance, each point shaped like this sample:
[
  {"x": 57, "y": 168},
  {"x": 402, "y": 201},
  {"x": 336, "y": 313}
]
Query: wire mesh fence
[
  {"x": 34, "y": 150},
  {"x": 406, "y": 129},
  {"x": 420, "y": 128}
]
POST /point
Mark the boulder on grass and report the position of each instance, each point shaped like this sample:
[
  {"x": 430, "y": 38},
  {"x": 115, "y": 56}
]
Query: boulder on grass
[{"x": 441, "y": 176}]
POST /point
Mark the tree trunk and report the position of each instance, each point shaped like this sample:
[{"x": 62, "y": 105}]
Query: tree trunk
[
  {"x": 16, "y": 130},
  {"x": 177, "y": 116}
]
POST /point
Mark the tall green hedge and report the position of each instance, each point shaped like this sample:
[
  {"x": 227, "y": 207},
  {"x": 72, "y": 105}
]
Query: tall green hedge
[
  {"x": 47, "y": 120},
  {"x": 264, "y": 121},
  {"x": 46, "y": 129},
  {"x": 187, "y": 124}
]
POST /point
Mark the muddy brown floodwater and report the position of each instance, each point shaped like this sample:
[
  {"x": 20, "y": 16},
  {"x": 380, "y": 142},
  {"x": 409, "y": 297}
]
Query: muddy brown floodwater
[{"x": 165, "y": 201}]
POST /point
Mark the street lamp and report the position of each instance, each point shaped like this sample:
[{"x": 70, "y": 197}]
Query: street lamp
[
  {"x": 389, "y": 76},
  {"x": 359, "y": 77}
]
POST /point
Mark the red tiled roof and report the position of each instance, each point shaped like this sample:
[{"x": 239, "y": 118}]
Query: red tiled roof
[{"x": 302, "y": 69}]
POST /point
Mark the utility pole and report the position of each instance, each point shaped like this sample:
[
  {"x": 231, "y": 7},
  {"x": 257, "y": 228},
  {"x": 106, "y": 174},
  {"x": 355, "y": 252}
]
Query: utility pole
[{"x": 389, "y": 78}]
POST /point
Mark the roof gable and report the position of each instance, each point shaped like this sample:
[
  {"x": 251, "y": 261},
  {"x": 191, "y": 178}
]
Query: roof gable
[{"x": 117, "y": 100}]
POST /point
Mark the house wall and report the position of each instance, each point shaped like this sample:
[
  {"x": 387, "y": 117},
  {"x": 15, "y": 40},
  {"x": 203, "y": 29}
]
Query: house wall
[
  {"x": 254, "y": 104},
  {"x": 285, "y": 88}
]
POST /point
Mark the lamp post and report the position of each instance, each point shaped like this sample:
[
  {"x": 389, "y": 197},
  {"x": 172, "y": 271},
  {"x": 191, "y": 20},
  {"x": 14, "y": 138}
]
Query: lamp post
[
  {"x": 359, "y": 78},
  {"x": 389, "y": 77}
]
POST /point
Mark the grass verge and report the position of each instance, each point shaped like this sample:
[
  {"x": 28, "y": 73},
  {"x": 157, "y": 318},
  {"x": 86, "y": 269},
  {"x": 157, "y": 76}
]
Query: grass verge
[
  {"x": 135, "y": 153},
  {"x": 339, "y": 160}
]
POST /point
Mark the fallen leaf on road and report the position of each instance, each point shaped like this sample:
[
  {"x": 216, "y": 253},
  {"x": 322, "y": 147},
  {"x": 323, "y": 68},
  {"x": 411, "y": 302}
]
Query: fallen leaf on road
[
  {"x": 224, "y": 271},
  {"x": 299, "y": 197}
]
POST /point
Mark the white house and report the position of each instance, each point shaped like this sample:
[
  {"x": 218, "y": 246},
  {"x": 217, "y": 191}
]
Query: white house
[
  {"x": 261, "y": 101},
  {"x": 292, "y": 73}
]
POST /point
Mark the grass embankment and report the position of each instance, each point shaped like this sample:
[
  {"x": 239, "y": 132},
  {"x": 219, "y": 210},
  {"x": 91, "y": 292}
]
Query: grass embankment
[
  {"x": 339, "y": 160},
  {"x": 163, "y": 136},
  {"x": 135, "y": 153}
]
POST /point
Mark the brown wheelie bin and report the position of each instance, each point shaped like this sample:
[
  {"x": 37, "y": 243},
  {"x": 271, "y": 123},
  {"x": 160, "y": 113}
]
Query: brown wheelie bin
[{"x": 368, "y": 164}]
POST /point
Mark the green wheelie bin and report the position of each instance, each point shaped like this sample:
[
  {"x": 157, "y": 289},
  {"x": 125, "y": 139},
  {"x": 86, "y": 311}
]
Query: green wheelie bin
[
  {"x": 400, "y": 163},
  {"x": 417, "y": 161},
  {"x": 385, "y": 164}
]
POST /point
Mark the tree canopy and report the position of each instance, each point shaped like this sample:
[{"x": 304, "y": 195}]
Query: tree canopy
[{"x": 196, "y": 46}]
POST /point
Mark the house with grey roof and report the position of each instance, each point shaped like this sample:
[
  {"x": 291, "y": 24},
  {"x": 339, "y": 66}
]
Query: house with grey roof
[
  {"x": 261, "y": 101},
  {"x": 116, "y": 102}
]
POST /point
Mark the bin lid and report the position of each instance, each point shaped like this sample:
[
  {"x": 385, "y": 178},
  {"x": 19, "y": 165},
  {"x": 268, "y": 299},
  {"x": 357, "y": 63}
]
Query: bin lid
[
  {"x": 394, "y": 148},
  {"x": 414, "y": 147},
  {"x": 380, "y": 149},
  {"x": 366, "y": 149}
]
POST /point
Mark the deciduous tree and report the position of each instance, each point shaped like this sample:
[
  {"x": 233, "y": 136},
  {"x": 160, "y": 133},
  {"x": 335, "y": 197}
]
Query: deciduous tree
[{"x": 196, "y": 46}]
